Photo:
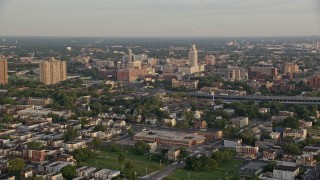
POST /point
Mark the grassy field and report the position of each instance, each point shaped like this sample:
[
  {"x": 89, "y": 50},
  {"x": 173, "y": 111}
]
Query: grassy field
[
  {"x": 314, "y": 130},
  {"x": 214, "y": 174},
  {"x": 107, "y": 159}
]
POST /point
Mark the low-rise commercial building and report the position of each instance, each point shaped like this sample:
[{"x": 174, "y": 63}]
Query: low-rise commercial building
[
  {"x": 188, "y": 84},
  {"x": 171, "y": 139}
]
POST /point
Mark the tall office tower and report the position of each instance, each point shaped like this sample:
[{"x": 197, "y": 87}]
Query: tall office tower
[
  {"x": 3, "y": 71},
  {"x": 318, "y": 46},
  {"x": 130, "y": 59},
  {"x": 52, "y": 71},
  {"x": 193, "y": 56}
]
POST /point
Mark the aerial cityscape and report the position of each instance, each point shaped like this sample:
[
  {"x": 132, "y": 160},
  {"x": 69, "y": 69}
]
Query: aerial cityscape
[{"x": 173, "y": 102}]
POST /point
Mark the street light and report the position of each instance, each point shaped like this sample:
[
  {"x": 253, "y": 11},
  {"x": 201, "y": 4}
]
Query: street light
[{"x": 135, "y": 174}]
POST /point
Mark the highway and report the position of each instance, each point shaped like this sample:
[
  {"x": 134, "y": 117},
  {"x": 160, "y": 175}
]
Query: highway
[{"x": 282, "y": 99}]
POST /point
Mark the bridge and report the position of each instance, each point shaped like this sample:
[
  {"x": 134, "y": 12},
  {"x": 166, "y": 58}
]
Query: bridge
[{"x": 283, "y": 99}]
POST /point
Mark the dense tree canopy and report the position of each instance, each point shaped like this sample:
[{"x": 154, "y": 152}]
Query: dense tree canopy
[
  {"x": 69, "y": 172},
  {"x": 16, "y": 165}
]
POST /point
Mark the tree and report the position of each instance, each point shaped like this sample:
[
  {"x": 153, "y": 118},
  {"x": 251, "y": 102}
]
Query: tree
[
  {"x": 115, "y": 148},
  {"x": 69, "y": 172},
  {"x": 183, "y": 152},
  {"x": 82, "y": 154},
  {"x": 291, "y": 122},
  {"x": 70, "y": 135},
  {"x": 130, "y": 131},
  {"x": 203, "y": 163},
  {"x": 188, "y": 116},
  {"x": 16, "y": 165},
  {"x": 7, "y": 118},
  {"x": 97, "y": 142},
  {"x": 35, "y": 146},
  {"x": 128, "y": 166},
  {"x": 270, "y": 166},
  {"x": 141, "y": 147},
  {"x": 230, "y": 132},
  {"x": 121, "y": 157},
  {"x": 293, "y": 149},
  {"x": 265, "y": 135},
  {"x": 55, "y": 117}
]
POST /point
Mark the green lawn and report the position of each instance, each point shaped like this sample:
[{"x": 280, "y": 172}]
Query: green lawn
[
  {"x": 314, "y": 130},
  {"x": 109, "y": 160},
  {"x": 182, "y": 174}
]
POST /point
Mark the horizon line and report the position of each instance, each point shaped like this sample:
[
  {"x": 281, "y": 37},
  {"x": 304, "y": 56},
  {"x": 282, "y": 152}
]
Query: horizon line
[{"x": 71, "y": 36}]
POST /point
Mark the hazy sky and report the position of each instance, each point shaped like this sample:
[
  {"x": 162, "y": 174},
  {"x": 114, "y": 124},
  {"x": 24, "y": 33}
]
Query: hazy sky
[{"x": 159, "y": 17}]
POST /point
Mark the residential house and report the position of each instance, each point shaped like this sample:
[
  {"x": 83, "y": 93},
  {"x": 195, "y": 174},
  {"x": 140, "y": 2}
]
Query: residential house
[
  {"x": 170, "y": 122},
  {"x": 120, "y": 123},
  {"x": 151, "y": 120},
  {"x": 107, "y": 122},
  {"x": 200, "y": 124},
  {"x": 269, "y": 154},
  {"x": 240, "y": 121},
  {"x": 173, "y": 154}
]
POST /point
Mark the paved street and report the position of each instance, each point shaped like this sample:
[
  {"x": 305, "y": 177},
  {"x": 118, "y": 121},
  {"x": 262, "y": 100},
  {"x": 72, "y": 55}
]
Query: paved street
[{"x": 165, "y": 172}]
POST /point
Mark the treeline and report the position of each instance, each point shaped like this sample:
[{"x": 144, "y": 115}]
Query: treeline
[{"x": 204, "y": 163}]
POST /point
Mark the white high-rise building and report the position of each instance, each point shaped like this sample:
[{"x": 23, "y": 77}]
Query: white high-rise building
[
  {"x": 193, "y": 56},
  {"x": 318, "y": 46},
  {"x": 130, "y": 59}
]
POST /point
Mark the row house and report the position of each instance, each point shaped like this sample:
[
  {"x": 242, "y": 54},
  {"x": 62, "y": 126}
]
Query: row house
[
  {"x": 296, "y": 133},
  {"x": 54, "y": 127},
  {"x": 12, "y": 125},
  {"x": 71, "y": 146},
  {"x": 247, "y": 151},
  {"x": 52, "y": 136},
  {"x": 36, "y": 156},
  {"x": 86, "y": 171},
  {"x": 50, "y": 176},
  {"x": 97, "y": 174},
  {"x": 112, "y": 116},
  {"x": 270, "y": 154},
  {"x": 311, "y": 150},
  {"x": 5, "y": 132},
  {"x": 33, "y": 125},
  {"x": 306, "y": 159},
  {"x": 53, "y": 166},
  {"x": 105, "y": 174},
  {"x": 65, "y": 158},
  {"x": 55, "y": 143},
  {"x": 21, "y": 136},
  {"x": 4, "y": 143}
]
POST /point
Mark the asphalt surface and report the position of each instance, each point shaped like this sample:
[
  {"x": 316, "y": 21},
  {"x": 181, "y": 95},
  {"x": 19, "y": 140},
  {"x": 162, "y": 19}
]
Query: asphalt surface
[{"x": 165, "y": 172}]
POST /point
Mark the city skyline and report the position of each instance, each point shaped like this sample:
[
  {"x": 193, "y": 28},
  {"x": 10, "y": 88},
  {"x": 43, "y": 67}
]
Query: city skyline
[{"x": 159, "y": 18}]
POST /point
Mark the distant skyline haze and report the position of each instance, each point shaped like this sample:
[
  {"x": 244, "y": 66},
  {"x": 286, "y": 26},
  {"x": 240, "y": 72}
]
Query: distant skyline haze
[{"x": 146, "y": 18}]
